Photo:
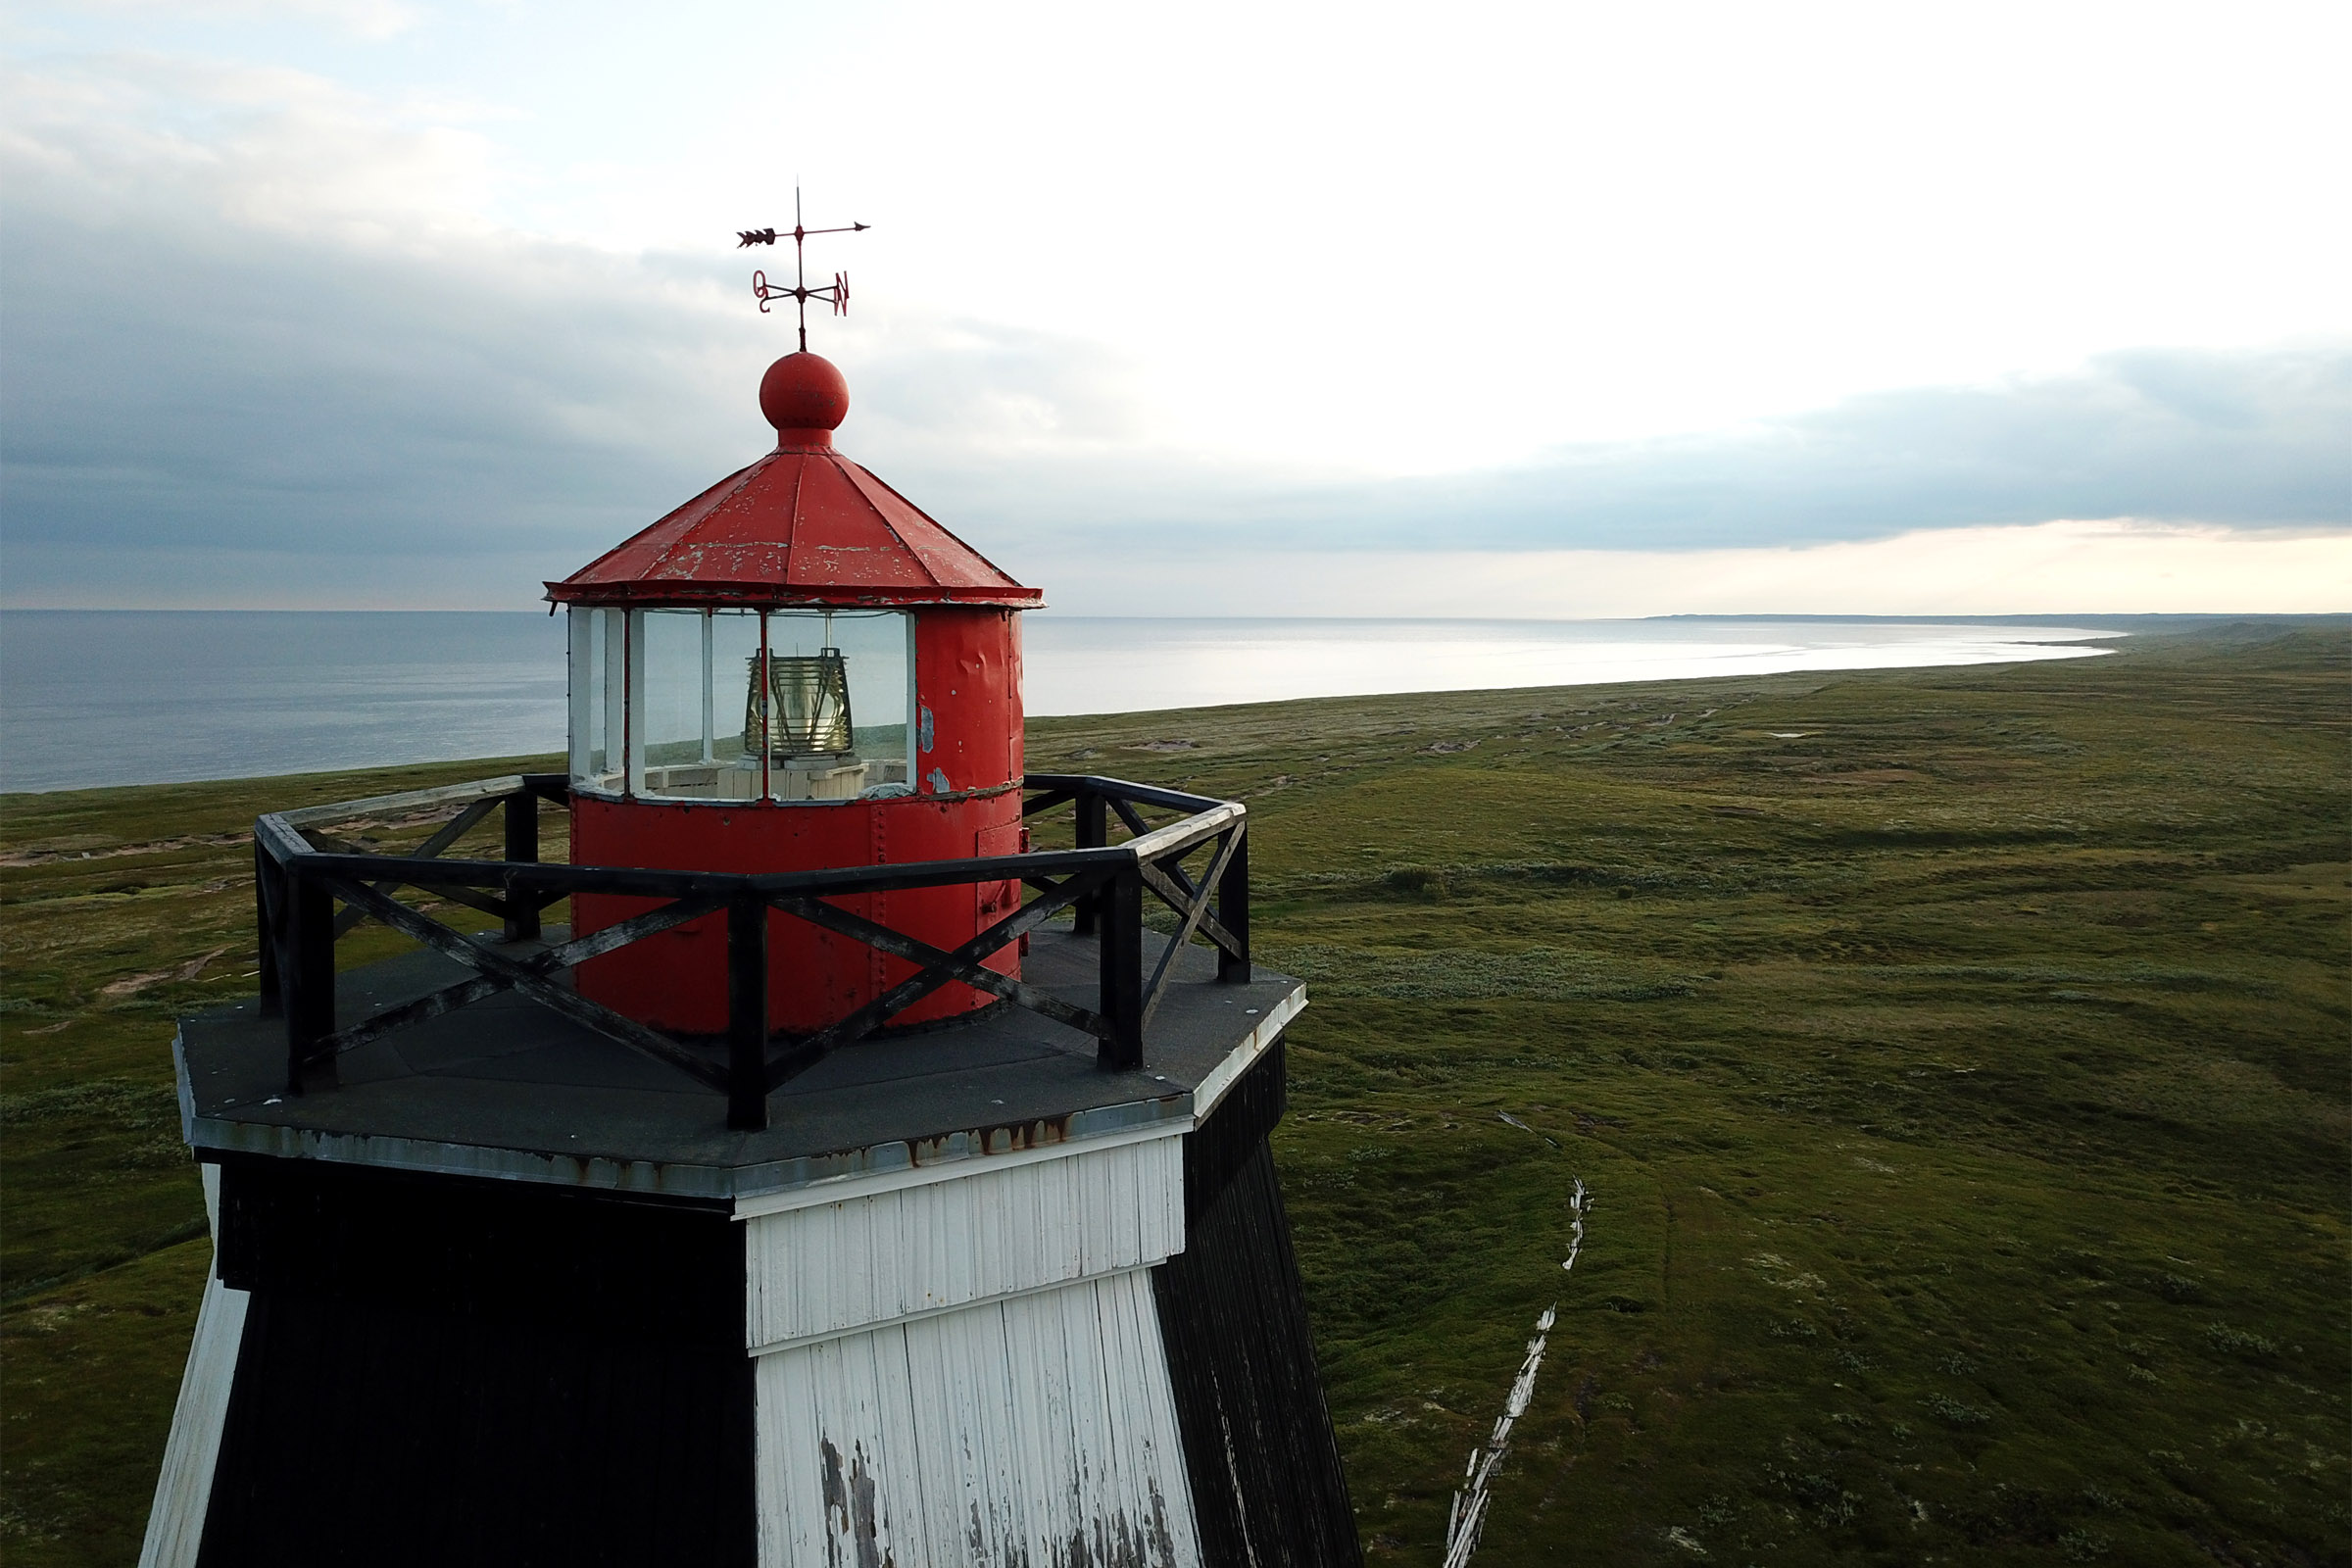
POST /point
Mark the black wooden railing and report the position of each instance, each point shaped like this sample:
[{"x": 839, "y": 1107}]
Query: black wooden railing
[{"x": 302, "y": 870}]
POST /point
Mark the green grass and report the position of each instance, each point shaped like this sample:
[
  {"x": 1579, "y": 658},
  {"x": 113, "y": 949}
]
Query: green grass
[{"x": 1957, "y": 1059}]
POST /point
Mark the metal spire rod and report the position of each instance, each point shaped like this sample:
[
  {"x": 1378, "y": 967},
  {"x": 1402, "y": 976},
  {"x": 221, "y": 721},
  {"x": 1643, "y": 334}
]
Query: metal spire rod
[{"x": 835, "y": 293}]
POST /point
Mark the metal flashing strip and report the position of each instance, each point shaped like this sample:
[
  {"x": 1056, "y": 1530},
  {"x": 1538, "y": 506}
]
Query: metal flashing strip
[
  {"x": 1167, "y": 1112},
  {"x": 977, "y": 1305},
  {"x": 854, "y": 1185},
  {"x": 435, "y": 1157},
  {"x": 1239, "y": 1060}
]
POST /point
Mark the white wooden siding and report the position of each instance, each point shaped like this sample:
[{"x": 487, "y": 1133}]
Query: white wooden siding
[
  {"x": 828, "y": 1268},
  {"x": 184, "y": 1491},
  {"x": 1039, "y": 1430}
]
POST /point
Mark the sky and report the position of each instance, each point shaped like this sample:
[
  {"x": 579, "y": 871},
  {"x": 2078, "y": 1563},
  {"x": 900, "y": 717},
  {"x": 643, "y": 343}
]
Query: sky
[{"x": 1559, "y": 310}]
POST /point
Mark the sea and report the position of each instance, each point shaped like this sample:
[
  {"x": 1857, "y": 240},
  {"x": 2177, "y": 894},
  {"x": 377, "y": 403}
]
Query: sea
[{"x": 99, "y": 697}]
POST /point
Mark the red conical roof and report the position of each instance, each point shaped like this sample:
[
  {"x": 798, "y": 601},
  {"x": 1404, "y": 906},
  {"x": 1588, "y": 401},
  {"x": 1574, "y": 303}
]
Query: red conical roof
[{"x": 803, "y": 525}]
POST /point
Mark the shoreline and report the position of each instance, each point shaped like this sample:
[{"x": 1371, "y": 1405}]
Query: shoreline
[{"x": 348, "y": 694}]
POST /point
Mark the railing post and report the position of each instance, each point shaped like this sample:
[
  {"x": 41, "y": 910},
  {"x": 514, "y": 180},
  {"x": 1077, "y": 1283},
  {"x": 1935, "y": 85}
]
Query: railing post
[
  {"x": 523, "y": 848},
  {"x": 1233, "y": 908},
  {"x": 268, "y": 893},
  {"x": 307, "y": 984},
  {"x": 1092, "y": 833},
  {"x": 1122, "y": 999},
  {"x": 747, "y": 1012}
]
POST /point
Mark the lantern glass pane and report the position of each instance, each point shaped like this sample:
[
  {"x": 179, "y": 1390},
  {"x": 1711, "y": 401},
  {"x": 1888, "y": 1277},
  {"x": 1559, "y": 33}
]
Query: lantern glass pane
[
  {"x": 599, "y": 645},
  {"x": 689, "y": 721},
  {"x": 833, "y": 707}
]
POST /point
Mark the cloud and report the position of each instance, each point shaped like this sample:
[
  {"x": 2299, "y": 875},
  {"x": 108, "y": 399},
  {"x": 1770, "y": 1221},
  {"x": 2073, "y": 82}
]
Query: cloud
[
  {"x": 2108, "y": 566},
  {"x": 2253, "y": 439},
  {"x": 262, "y": 339},
  {"x": 2249, "y": 439},
  {"x": 372, "y": 20}
]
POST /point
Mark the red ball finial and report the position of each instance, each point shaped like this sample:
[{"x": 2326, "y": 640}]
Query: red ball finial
[{"x": 806, "y": 399}]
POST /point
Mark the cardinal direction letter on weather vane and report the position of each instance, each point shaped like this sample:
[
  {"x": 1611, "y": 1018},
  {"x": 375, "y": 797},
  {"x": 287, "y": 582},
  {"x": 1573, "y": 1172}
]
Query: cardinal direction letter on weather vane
[{"x": 835, "y": 293}]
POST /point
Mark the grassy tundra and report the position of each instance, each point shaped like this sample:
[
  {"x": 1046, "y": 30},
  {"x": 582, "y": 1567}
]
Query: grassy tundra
[{"x": 1957, "y": 1059}]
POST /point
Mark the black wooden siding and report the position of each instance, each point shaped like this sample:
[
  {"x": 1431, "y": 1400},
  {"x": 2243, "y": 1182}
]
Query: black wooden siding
[
  {"x": 1259, "y": 1445},
  {"x": 453, "y": 1371}
]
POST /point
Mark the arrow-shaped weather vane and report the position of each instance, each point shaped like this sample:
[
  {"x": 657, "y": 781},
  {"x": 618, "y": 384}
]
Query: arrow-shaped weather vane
[{"x": 835, "y": 293}]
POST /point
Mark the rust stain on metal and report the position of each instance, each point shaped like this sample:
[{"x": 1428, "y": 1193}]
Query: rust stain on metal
[{"x": 1004, "y": 1138}]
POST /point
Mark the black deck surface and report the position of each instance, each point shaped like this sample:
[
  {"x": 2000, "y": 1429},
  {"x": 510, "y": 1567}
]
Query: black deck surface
[{"x": 507, "y": 1088}]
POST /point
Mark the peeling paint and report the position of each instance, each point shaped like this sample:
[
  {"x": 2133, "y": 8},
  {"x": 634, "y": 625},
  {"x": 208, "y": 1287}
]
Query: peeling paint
[
  {"x": 1033, "y": 1433},
  {"x": 937, "y": 780},
  {"x": 798, "y": 525},
  {"x": 923, "y": 733},
  {"x": 851, "y": 1512}
]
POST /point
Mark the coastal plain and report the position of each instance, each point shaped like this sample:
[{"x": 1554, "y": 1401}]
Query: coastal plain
[{"x": 1959, "y": 1062}]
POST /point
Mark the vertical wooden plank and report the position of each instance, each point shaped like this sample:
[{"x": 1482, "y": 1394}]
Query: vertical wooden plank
[
  {"x": 852, "y": 1259},
  {"x": 1093, "y": 834},
  {"x": 1090, "y": 1412},
  {"x": 942, "y": 1241},
  {"x": 883, "y": 1473},
  {"x": 1041, "y": 1407},
  {"x": 889, "y": 1271},
  {"x": 1233, "y": 907},
  {"x": 816, "y": 1247},
  {"x": 1095, "y": 1214},
  {"x": 903, "y": 1468},
  {"x": 1115, "y": 1470},
  {"x": 1121, "y": 998},
  {"x": 939, "y": 1407},
  {"x": 1151, "y": 1203},
  {"x": 759, "y": 1280},
  {"x": 184, "y": 1490},
  {"x": 268, "y": 894},
  {"x": 790, "y": 1491},
  {"x": 812, "y": 1240},
  {"x": 523, "y": 848},
  {"x": 836, "y": 1450},
  {"x": 992, "y": 1431},
  {"x": 952, "y": 1244},
  {"x": 309, "y": 981},
  {"x": 1158, "y": 1492},
  {"x": 1060, "y": 1242},
  {"x": 1123, "y": 1219},
  {"x": 995, "y": 1224},
  {"x": 1158, "y": 1443}
]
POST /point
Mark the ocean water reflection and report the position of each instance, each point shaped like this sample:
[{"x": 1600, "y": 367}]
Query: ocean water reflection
[{"x": 91, "y": 698}]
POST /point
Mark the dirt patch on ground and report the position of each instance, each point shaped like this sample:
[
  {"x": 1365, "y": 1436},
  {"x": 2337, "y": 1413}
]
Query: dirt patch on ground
[
  {"x": 51, "y": 856},
  {"x": 1872, "y": 776},
  {"x": 132, "y": 985}
]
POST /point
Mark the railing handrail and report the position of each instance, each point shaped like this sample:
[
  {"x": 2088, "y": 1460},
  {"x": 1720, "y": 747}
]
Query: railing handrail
[
  {"x": 297, "y": 884},
  {"x": 408, "y": 800}
]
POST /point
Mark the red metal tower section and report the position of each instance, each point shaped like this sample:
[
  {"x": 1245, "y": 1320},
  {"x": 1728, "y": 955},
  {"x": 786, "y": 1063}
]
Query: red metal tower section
[{"x": 851, "y": 754}]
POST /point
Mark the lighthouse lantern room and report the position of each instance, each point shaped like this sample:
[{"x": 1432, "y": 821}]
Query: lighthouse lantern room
[
  {"x": 796, "y": 669},
  {"x": 806, "y": 1170}
]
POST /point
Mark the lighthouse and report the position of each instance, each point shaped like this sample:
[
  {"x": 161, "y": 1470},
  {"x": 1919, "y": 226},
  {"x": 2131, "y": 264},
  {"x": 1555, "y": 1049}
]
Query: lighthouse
[
  {"x": 796, "y": 669},
  {"x": 826, "y": 1163}
]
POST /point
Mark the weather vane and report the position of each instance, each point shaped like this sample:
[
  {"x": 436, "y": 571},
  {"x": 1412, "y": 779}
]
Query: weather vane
[{"x": 835, "y": 293}]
